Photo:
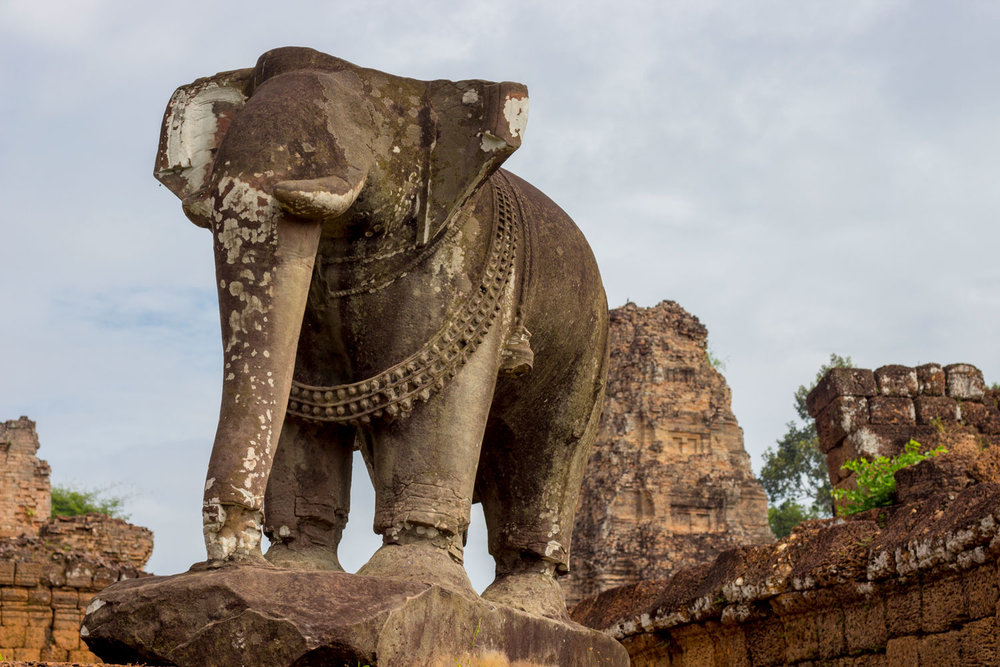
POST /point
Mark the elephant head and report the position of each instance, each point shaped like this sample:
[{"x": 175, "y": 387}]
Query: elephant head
[{"x": 270, "y": 159}]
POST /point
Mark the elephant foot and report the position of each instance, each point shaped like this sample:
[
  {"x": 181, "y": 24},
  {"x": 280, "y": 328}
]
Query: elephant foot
[
  {"x": 232, "y": 533},
  {"x": 311, "y": 557},
  {"x": 532, "y": 592},
  {"x": 426, "y": 563},
  {"x": 238, "y": 560}
]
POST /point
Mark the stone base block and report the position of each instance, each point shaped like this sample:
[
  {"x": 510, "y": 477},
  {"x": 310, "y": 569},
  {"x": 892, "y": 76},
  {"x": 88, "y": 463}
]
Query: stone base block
[{"x": 247, "y": 616}]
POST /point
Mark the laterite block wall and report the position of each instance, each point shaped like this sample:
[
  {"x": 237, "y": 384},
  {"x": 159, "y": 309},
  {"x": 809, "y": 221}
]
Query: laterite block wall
[
  {"x": 914, "y": 584},
  {"x": 864, "y": 413},
  {"x": 43, "y": 595},
  {"x": 50, "y": 569}
]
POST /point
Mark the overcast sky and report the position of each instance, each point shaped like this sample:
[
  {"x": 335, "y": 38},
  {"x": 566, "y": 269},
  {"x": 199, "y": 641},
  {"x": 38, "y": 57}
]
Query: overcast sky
[{"x": 804, "y": 177}]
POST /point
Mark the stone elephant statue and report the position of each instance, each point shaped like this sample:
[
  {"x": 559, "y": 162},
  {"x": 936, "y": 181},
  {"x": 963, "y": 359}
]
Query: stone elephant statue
[{"x": 383, "y": 285}]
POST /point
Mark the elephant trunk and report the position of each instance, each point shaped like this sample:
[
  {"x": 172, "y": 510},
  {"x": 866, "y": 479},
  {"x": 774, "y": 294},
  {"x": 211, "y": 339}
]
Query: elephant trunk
[{"x": 264, "y": 261}]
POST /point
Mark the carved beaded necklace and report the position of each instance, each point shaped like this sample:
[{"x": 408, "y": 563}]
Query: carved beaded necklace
[{"x": 393, "y": 392}]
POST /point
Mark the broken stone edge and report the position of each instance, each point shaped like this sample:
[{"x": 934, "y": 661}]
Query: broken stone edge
[{"x": 246, "y": 615}]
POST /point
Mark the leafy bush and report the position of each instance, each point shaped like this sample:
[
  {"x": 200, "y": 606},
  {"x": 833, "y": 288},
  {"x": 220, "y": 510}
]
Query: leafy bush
[
  {"x": 67, "y": 501},
  {"x": 875, "y": 480}
]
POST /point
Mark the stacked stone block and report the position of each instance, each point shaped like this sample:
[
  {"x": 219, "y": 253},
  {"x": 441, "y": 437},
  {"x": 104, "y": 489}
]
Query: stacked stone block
[
  {"x": 25, "y": 494},
  {"x": 114, "y": 540},
  {"x": 43, "y": 596},
  {"x": 50, "y": 569},
  {"x": 912, "y": 584},
  {"x": 940, "y": 621},
  {"x": 862, "y": 413}
]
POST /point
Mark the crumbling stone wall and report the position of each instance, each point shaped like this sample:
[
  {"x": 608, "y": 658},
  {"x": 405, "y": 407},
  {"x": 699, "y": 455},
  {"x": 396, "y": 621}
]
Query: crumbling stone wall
[
  {"x": 864, "y": 413},
  {"x": 113, "y": 540},
  {"x": 25, "y": 494},
  {"x": 44, "y": 592},
  {"x": 51, "y": 569},
  {"x": 669, "y": 482},
  {"x": 915, "y": 583}
]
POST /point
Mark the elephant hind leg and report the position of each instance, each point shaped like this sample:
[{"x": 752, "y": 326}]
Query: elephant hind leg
[
  {"x": 424, "y": 473},
  {"x": 528, "y": 482},
  {"x": 309, "y": 495}
]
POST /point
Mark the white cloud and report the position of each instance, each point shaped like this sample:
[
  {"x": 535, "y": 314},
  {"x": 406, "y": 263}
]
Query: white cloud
[{"x": 54, "y": 23}]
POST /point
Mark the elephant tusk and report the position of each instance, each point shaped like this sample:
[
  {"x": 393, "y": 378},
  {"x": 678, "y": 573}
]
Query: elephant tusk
[{"x": 318, "y": 198}]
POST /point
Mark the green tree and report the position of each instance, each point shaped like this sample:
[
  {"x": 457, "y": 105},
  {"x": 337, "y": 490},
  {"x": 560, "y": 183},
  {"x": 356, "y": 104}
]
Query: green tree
[
  {"x": 794, "y": 473},
  {"x": 67, "y": 501}
]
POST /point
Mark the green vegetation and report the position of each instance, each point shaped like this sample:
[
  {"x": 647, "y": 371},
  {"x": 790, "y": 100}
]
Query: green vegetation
[
  {"x": 794, "y": 474},
  {"x": 714, "y": 361},
  {"x": 67, "y": 501},
  {"x": 787, "y": 515},
  {"x": 876, "y": 483}
]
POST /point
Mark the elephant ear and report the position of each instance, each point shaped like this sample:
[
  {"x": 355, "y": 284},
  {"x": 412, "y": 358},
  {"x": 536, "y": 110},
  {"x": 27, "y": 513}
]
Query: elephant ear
[
  {"x": 477, "y": 126},
  {"x": 194, "y": 123}
]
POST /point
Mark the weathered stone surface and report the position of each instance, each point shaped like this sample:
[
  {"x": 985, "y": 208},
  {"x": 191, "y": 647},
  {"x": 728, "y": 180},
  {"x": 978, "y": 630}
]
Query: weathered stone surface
[
  {"x": 916, "y": 579},
  {"x": 840, "y": 382},
  {"x": 896, "y": 380},
  {"x": 936, "y": 415},
  {"x": 933, "y": 476},
  {"x": 931, "y": 379},
  {"x": 935, "y": 408},
  {"x": 113, "y": 539},
  {"x": 25, "y": 496},
  {"x": 965, "y": 382},
  {"x": 669, "y": 483},
  {"x": 835, "y": 459},
  {"x": 891, "y": 410},
  {"x": 876, "y": 440},
  {"x": 244, "y": 616},
  {"x": 380, "y": 279},
  {"x": 985, "y": 416},
  {"x": 843, "y": 415}
]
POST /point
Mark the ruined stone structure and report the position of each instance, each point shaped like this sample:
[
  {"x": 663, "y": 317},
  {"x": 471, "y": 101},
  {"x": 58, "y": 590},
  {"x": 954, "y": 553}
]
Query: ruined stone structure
[
  {"x": 51, "y": 569},
  {"x": 24, "y": 494},
  {"x": 915, "y": 583},
  {"x": 864, "y": 413},
  {"x": 669, "y": 483}
]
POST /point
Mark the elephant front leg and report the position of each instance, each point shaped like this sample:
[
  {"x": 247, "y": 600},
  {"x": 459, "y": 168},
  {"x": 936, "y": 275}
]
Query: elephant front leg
[
  {"x": 264, "y": 264},
  {"x": 423, "y": 468}
]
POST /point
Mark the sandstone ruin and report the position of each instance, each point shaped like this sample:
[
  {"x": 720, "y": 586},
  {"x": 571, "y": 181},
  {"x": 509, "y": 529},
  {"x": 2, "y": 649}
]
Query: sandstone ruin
[
  {"x": 669, "y": 483},
  {"x": 50, "y": 569},
  {"x": 915, "y": 583},
  {"x": 25, "y": 493}
]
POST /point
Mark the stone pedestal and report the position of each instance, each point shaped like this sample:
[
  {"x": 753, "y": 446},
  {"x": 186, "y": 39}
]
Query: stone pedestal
[{"x": 260, "y": 616}]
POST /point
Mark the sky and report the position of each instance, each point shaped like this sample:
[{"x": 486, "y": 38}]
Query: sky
[{"x": 804, "y": 177}]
